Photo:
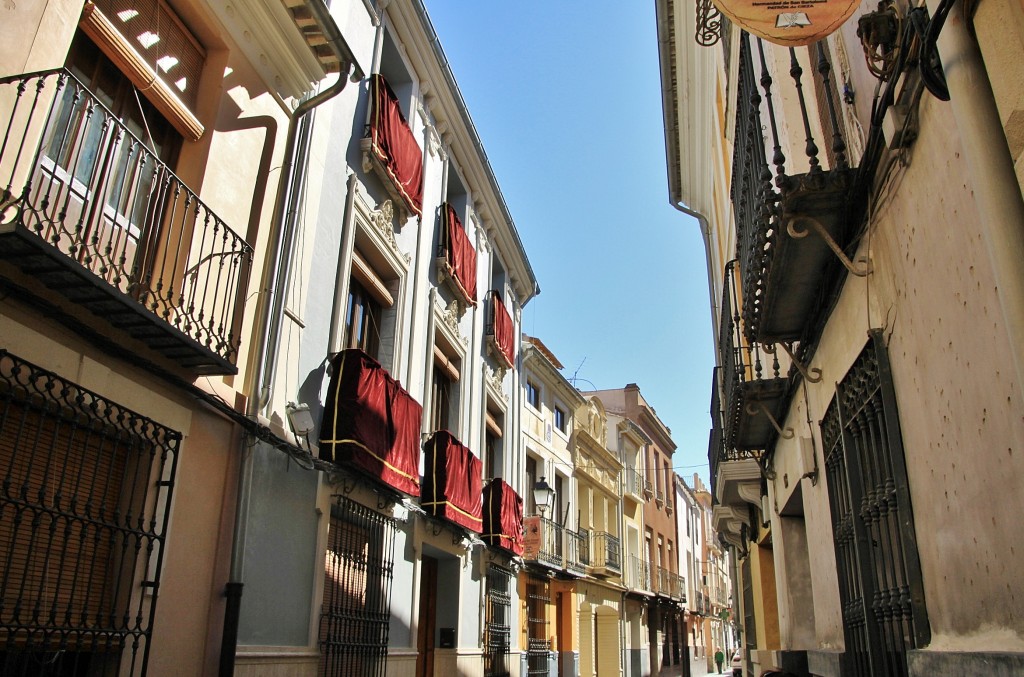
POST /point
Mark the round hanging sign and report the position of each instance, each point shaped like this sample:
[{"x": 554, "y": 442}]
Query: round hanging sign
[{"x": 788, "y": 22}]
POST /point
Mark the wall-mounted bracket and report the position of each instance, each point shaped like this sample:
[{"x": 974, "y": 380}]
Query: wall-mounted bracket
[
  {"x": 861, "y": 268},
  {"x": 753, "y": 409},
  {"x": 812, "y": 375}
]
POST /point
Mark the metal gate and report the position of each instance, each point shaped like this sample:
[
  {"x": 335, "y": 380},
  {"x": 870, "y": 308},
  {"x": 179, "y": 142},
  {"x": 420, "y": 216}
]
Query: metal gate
[
  {"x": 873, "y": 527},
  {"x": 538, "y": 646}
]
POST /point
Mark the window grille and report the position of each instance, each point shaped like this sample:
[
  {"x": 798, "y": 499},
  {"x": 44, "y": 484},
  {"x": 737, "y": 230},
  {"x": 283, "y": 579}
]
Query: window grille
[
  {"x": 83, "y": 517},
  {"x": 537, "y": 595},
  {"x": 880, "y": 584},
  {"x": 356, "y": 609},
  {"x": 497, "y": 628}
]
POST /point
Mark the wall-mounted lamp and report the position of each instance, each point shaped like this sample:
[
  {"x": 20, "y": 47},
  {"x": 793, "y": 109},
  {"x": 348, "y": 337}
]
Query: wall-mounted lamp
[{"x": 542, "y": 496}]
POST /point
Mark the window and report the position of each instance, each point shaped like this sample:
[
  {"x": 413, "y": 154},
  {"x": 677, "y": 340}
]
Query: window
[
  {"x": 560, "y": 419},
  {"x": 362, "y": 320},
  {"x": 440, "y": 400},
  {"x": 497, "y": 622},
  {"x": 84, "y": 507},
  {"x": 493, "y": 432},
  {"x": 879, "y": 570},
  {"x": 443, "y": 401},
  {"x": 356, "y": 611},
  {"x": 533, "y": 394},
  {"x": 531, "y": 479}
]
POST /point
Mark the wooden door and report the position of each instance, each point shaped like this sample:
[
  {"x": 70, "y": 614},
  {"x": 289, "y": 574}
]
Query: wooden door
[{"x": 428, "y": 618}]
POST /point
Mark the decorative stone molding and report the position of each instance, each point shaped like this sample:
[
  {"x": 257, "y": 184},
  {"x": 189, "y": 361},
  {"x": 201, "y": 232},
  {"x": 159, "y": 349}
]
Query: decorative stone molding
[
  {"x": 495, "y": 379},
  {"x": 750, "y": 492},
  {"x": 450, "y": 316},
  {"x": 483, "y": 243},
  {"x": 382, "y": 219}
]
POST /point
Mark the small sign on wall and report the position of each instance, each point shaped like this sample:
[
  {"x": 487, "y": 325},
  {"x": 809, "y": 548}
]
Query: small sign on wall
[
  {"x": 788, "y": 22},
  {"x": 531, "y": 537}
]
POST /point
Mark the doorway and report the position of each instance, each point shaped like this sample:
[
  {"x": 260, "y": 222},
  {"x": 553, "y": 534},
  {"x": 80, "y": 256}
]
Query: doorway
[{"x": 427, "y": 618}]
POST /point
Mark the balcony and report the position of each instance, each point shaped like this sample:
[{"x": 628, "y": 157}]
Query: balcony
[
  {"x": 391, "y": 152},
  {"x": 635, "y": 486},
  {"x": 503, "y": 517},
  {"x": 456, "y": 257},
  {"x": 754, "y": 390},
  {"x": 607, "y": 554},
  {"x": 659, "y": 497},
  {"x": 543, "y": 542},
  {"x": 638, "y": 575},
  {"x": 371, "y": 424},
  {"x": 498, "y": 330},
  {"x": 550, "y": 544},
  {"x": 669, "y": 584},
  {"x": 452, "y": 484},
  {"x": 91, "y": 219},
  {"x": 790, "y": 235},
  {"x": 648, "y": 490},
  {"x": 577, "y": 553}
]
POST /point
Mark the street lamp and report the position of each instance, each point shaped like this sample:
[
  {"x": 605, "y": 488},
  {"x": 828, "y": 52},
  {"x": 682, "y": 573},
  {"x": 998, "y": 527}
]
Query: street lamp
[{"x": 542, "y": 496}]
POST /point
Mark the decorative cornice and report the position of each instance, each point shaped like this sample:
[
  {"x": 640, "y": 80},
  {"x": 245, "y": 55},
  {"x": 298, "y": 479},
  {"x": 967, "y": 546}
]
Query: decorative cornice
[{"x": 495, "y": 379}]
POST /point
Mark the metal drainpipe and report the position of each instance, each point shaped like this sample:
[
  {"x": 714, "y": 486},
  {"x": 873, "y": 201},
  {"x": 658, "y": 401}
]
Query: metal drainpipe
[
  {"x": 269, "y": 320},
  {"x": 994, "y": 182},
  {"x": 705, "y": 231}
]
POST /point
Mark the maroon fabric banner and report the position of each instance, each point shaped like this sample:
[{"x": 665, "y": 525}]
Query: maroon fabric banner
[
  {"x": 452, "y": 484},
  {"x": 503, "y": 336},
  {"x": 503, "y": 516},
  {"x": 371, "y": 422},
  {"x": 460, "y": 255},
  {"x": 395, "y": 145}
]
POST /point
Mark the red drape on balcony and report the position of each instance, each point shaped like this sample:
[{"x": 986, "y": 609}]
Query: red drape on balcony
[
  {"x": 503, "y": 335},
  {"x": 371, "y": 422},
  {"x": 460, "y": 255},
  {"x": 503, "y": 516},
  {"x": 452, "y": 484},
  {"x": 395, "y": 145}
]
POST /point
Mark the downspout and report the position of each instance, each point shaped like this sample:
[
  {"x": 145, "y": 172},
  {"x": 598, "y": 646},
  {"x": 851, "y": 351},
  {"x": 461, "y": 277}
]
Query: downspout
[
  {"x": 705, "y": 231},
  {"x": 996, "y": 190},
  {"x": 269, "y": 319}
]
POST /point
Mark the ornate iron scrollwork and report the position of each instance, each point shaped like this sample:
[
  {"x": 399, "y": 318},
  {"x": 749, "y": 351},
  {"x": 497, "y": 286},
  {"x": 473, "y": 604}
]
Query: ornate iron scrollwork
[{"x": 709, "y": 24}]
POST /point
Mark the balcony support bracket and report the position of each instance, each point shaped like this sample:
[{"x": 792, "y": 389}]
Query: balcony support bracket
[
  {"x": 811, "y": 375},
  {"x": 755, "y": 408},
  {"x": 861, "y": 267}
]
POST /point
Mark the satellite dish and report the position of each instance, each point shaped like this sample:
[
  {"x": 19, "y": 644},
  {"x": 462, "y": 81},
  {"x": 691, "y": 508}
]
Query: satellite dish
[{"x": 790, "y": 23}]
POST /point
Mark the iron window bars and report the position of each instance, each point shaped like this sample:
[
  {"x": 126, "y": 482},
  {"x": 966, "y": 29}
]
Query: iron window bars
[
  {"x": 356, "y": 611},
  {"x": 537, "y": 596},
  {"x": 497, "y": 622},
  {"x": 86, "y": 485},
  {"x": 880, "y": 583}
]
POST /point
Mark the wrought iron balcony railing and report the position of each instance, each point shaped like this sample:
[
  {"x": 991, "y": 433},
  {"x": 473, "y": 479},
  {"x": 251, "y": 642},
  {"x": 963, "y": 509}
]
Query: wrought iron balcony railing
[
  {"x": 638, "y": 576},
  {"x": 88, "y": 209},
  {"x": 576, "y": 554},
  {"x": 753, "y": 386},
  {"x": 607, "y": 551},
  {"x": 634, "y": 483},
  {"x": 784, "y": 271},
  {"x": 551, "y": 549}
]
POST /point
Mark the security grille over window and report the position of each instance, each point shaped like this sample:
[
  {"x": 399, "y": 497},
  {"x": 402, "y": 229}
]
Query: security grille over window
[
  {"x": 537, "y": 595},
  {"x": 83, "y": 517},
  {"x": 876, "y": 547},
  {"x": 497, "y": 629},
  {"x": 357, "y": 592}
]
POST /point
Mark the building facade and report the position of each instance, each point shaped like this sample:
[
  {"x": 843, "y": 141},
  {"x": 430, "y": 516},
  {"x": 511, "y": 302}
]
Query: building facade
[
  {"x": 860, "y": 200},
  {"x": 664, "y": 611},
  {"x": 260, "y": 332}
]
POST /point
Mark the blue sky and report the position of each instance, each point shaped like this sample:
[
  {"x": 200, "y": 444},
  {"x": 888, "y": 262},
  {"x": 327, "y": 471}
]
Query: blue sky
[{"x": 566, "y": 97}]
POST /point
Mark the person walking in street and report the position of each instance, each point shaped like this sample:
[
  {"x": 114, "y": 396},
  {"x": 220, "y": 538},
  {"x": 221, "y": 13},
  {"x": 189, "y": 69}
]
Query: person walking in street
[{"x": 719, "y": 658}]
